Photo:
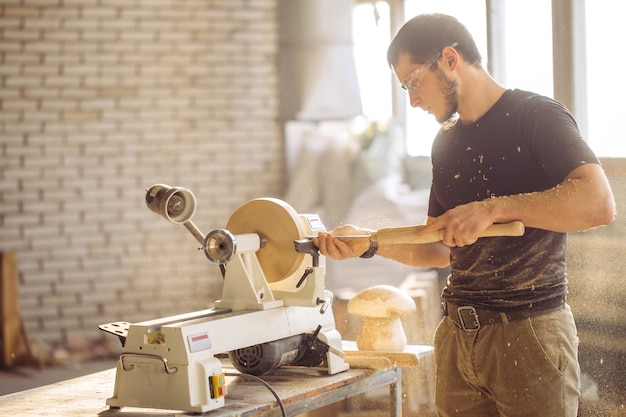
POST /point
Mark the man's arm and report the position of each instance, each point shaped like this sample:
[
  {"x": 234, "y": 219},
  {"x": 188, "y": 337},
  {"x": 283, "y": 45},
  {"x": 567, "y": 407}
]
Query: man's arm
[
  {"x": 425, "y": 255},
  {"x": 582, "y": 201},
  {"x": 420, "y": 255}
]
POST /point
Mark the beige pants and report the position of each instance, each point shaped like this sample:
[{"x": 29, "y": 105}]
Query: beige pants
[{"x": 523, "y": 368}]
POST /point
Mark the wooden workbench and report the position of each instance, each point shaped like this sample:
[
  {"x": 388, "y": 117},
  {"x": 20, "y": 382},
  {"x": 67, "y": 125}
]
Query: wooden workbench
[{"x": 300, "y": 389}]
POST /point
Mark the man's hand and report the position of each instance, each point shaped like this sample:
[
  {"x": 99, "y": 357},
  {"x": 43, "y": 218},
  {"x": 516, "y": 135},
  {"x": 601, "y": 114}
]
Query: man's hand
[
  {"x": 461, "y": 225},
  {"x": 333, "y": 246}
]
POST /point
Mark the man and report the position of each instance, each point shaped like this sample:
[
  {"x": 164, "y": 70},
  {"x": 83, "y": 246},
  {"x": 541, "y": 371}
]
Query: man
[{"x": 507, "y": 345}]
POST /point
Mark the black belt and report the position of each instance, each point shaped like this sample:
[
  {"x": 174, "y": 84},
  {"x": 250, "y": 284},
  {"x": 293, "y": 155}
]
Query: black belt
[{"x": 470, "y": 318}]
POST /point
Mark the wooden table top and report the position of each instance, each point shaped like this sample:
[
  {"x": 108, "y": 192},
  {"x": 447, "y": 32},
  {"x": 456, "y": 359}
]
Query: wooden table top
[{"x": 300, "y": 389}]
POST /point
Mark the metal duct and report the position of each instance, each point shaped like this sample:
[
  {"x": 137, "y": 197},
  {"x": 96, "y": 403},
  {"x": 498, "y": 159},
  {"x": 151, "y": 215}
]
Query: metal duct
[{"x": 317, "y": 71}]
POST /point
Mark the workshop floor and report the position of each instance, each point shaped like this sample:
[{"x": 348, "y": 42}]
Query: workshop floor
[{"x": 21, "y": 378}]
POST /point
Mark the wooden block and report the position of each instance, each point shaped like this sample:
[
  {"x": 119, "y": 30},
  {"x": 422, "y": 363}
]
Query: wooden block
[
  {"x": 367, "y": 362},
  {"x": 15, "y": 349},
  {"x": 401, "y": 359}
]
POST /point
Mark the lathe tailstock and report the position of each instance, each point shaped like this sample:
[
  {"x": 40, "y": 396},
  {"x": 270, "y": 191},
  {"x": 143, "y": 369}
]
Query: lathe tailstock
[{"x": 274, "y": 310}]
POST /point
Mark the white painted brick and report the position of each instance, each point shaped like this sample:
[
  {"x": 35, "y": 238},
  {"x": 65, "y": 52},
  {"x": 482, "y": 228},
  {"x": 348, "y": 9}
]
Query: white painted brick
[
  {"x": 98, "y": 297},
  {"x": 73, "y": 49},
  {"x": 138, "y": 36},
  {"x": 177, "y": 37},
  {"x": 83, "y": 332},
  {"x": 121, "y": 23},
  {"x": 138, "y": 12},
  {"x": 23, "y": 81},
  {"x": 10, "y": 233},
  {"x": 21, "y": 11},
  {"x": 101, "y": 59},
  {"x": 37, "y": 314},
  {"x": 39, "y": 207},
  {"x": 9, "y": 68},
  {"x": 45, "y": 47},
  {"x": 64, "y": 36},
  {"x": 90, "y": 35},
  {"x": 41, "y": 116},
  {"x": 58, "y": 324},
  {"x": 118, "y": 47},
  {"x": 61, "y": 217},
  {"x": 78, "y": 276},
  {"x": 58, "y": 104},
  {"x": 94, "y": 263},
  {"x": 67, "y": 58},
  {"x": 80, "y": 92},
  {"x": 22, "y": 126},
  {"x": 175, "y": 13},
  {"x": 157, "y": 69},
  {"x": 115, "y": 117},
  {"x": 10, "y": 22},
  {"x": 158, "y": 3},
  {"x": 9, "y": 118},
  {"x": 29, "y": 304},
  {"x": 9, "y": 94},
  {"x": 80, "y": 3},
  {"x": 62, "y": 13},
  {"x": 99, "y": 12},
  {"x": 58, "y": 299},
  {"x": 62, "y": 81},
  {"x": 39, "y": 24},
  {"x": 74, "y": 287},
  {"x": 127, "y": 311},
  {"x": 45, "y": 92},
  {"x": 99, "y": 127},
  {"x": 44, "y": 3},
  {"x": 99, "y": 81},
  {"x": 115, "y": 286},
  {"x": 73, "y": 70}
]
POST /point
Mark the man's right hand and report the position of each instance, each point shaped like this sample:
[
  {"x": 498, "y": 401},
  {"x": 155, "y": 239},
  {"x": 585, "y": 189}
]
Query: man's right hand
[{"x": 333, "y": 246}]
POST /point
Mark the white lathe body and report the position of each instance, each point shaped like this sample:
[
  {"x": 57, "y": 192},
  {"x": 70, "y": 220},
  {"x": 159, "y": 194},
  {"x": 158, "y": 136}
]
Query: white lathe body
[{"x": 261, "y": 322}]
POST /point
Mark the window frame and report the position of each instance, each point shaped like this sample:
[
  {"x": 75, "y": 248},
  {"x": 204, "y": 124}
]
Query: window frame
[{"x": 569, "y": 58}]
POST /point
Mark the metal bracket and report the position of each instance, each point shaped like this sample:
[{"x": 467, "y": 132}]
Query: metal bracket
[{"x": 160, "y": 358}]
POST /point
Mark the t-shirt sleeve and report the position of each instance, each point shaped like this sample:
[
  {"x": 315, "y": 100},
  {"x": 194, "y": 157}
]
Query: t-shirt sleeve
[
  {"x": 434, "y": 207},
  {"x": 553, "y": 135}
]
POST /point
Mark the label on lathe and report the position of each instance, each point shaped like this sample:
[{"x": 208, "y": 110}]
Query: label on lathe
[{"x": 198, "y": 342}]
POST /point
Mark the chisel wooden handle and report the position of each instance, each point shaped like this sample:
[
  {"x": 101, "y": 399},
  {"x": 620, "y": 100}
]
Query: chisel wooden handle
[
  {"x": 408, "y": 234},
  {"x": 401, "y": 359},
  {"x": 368, "y": 362}
]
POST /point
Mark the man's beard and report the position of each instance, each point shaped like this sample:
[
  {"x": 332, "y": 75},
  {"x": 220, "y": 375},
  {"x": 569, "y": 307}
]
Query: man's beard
[{"x": 449, "y": 88}]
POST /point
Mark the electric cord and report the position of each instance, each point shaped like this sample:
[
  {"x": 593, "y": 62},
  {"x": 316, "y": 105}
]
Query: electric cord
[{"x": 265, "y": 384}]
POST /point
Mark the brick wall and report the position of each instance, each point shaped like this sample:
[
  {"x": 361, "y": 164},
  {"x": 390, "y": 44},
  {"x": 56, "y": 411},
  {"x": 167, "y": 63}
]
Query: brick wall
[{"x": 99, "y": 99}]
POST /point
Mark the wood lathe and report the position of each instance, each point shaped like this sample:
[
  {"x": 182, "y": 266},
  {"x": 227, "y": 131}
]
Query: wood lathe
[{"x": 274, "y": 310}]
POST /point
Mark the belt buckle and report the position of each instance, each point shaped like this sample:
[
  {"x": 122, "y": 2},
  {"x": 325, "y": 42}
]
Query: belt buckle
[{"x": 468, "y": 318}]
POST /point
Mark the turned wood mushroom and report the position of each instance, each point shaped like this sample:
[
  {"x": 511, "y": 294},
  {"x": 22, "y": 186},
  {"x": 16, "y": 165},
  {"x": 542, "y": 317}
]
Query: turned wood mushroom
[{"x": 381, "y": 308}]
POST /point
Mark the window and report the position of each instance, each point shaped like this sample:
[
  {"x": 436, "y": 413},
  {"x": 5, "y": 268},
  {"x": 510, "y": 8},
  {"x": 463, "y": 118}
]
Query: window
[
  {"x": 605, "y": 89},
  {"x": 421, "y": 127},
  {"x": 528, "y": 46},
  {"x": 527, "y": 61},
  {"x": 372, "y": 34}
]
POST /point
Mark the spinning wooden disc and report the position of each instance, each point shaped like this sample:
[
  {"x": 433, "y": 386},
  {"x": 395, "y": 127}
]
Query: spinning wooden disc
[{"x": 278, "y": 223}]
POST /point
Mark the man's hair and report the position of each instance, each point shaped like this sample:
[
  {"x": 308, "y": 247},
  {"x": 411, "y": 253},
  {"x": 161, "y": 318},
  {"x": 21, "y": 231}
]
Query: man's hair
[{"x": 425, "y": 35}]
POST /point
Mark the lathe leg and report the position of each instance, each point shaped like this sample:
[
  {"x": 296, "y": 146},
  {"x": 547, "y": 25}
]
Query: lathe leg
[{"x": 395, "y": 391}]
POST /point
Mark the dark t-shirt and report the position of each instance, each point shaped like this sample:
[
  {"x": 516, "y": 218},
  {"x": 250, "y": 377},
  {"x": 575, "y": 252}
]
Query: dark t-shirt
[{"x": 525, "y": 143}]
